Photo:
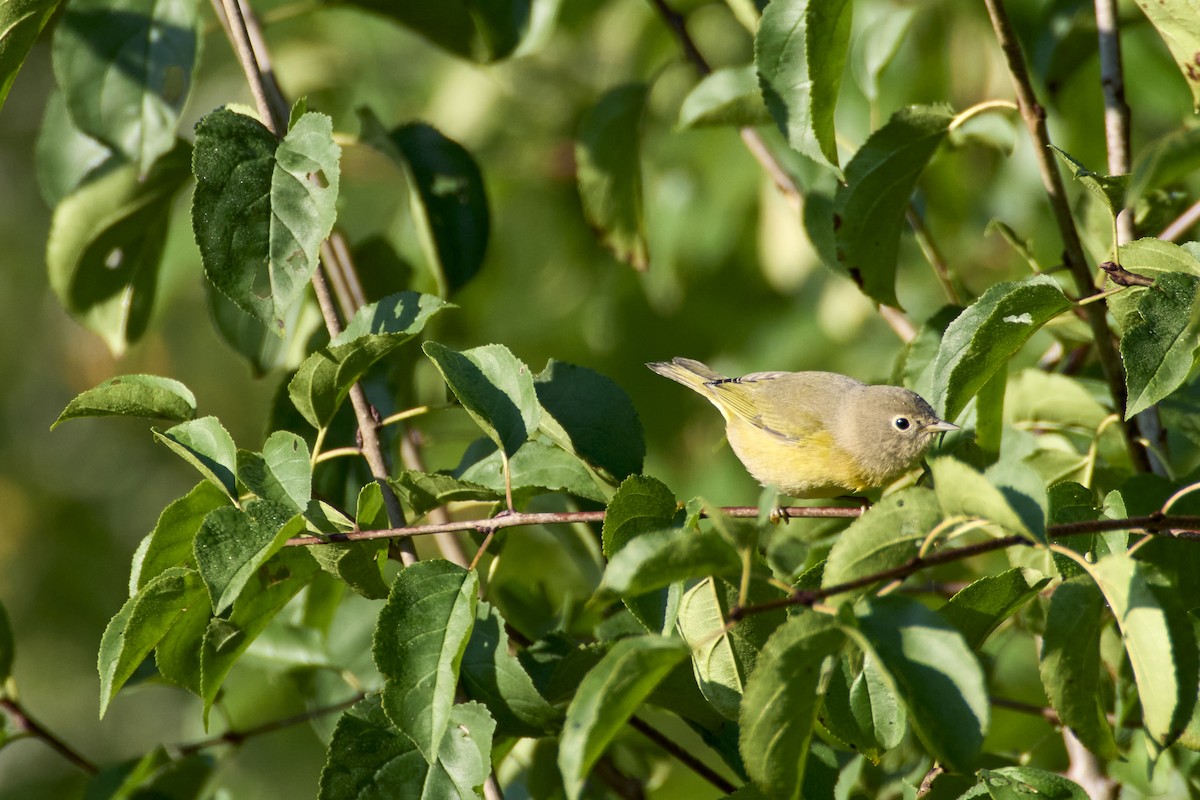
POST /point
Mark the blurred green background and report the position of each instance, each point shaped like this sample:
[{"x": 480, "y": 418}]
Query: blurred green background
[{"x": 733, "y": 280}]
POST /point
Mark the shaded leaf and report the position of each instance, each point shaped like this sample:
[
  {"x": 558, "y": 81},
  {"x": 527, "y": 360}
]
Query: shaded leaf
[
  {"x": 653, "y": 560},
  {"x": 862, "y": 710},
  {"x": 360, "y": 564},
  {"x": 1159, "y": 345},
  {"x": 729, "y": 96},
  {"x": 701, "y": 622},
  {"x": 877, "y": 46},
  {"x": 421, "y": 492},
  {"x": 135, "y": 396},
  {"x": 609, "y": 172},
  {"x": 642, "y": 504},
  {"x": 106, "y": 243},
  {"x": 980, "y": 341},
  {"x": 979, "y": 608},
  {"x": 607, "y": 697},
  {"x": 376, "y": 331},
  {"x": 800, "y": 52},
  {"x": 20, "y": 23},
  {"x": 155, "y": 775},
  {"x": 142, "y": 621},
  {"x": 962, "y": 491},
  {"x": 64, "y": 155},
  {"x": 262, "y": 207},
  {"x": 1108, "y": 189},
  {"x": 170, "y": 543},
  {"x": 8, "y": 648},
  {"x": 233, "y": 543},
  {"x": 418, "y": 646},
  {"x": 1178, "y": 23},
  {"x": 281, "y": 473},
  {"x": 208, "y": 447},
  {"x": 1020, "y": 783},
  {"x": 480, "y": 31},
  {"x": 125, "y": 68},
  {"x": 780, "y": 703},
  {"x": 448, "y": 198},
  {"x": 535, "y": 468}
]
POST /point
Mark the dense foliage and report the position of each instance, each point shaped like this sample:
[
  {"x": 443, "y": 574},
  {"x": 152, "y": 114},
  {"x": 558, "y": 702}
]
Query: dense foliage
[{"x": 467, "y": 576}]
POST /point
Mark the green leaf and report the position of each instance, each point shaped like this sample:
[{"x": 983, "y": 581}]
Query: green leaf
[
  {"x": 534, "y": 469},
  {"x": 281, "y": 473},
  {"x": 8, "y": 647},
  {"x": 133, "y": 396},
  {"x": 125, "y": 68},
  {"x": 887, "y": 535},
  {"x": 208, "y": 447},
  {"x": 1021, "y": 783},
  {"x": 780, "y": 703},
  {"x": 65, "y": 156},
  {"x": 262, "y": 207},
  {"x": 369, "y": 758},
  {"x": 980, "y": 341},
  {"x": 447, "y": 196},
  {"x": 144, "y": 619},
  {"x": 360, "y": 564},
  {"x": 421, "y": 492},
  {"x": 800, "y": 51},
  {"x": 979, "y": 608},
  {"x": 376, "y": 331},
  {"x": 495, "y": 677},
  {"x": 875, "y": 48},
  {"x": 20, "y": 23},
  {"x": 1159, "y": 640},
  {"x": 170, "y": 543},
  {"x": 1070, "y": 663},
  {"x": 419, "y": 642},
  {"x": 654, "y": 560},
  {"x": 870, "y": 207},
  {"x": 1178, "y": 23},
  {"x": 1108, "y": 189},
  {"x": 480, "y": 31},
  {"x": 933, "y": 672},
  {"x": 962, "y": 491},
  {"x": 106, "y": 243},
  {"x": 729, "y": 96},
  {"x": 607, "y": 697},
  {"x": 701, "y": 622},
  {"x": 233, "y": 543},
  {"x": 260, "y": 345},
  {"x": 598, "y": 419},
  {"x": 264, "y": 596},
  {"x": 494, "y": 387},
  {"x": 1159, "y": 345},
  {"x": 862, "y": 710},
  {"x": 1151, "y": 258},
  {"x": 642, "y": 504},
  {"x": 609, "y": 172}
]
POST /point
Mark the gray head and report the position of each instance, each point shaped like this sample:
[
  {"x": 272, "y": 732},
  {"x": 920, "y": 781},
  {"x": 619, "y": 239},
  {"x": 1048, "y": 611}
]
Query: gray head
[{"x": 887, "y": 429}]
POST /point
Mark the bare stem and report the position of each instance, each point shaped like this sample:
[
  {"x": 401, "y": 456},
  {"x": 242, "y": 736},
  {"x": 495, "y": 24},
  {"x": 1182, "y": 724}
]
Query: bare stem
[
  {"x": 1073, "y": 256},
  {"x": 31, "y": 726},
  {"x": 681, "y": 755},
  {"x": 236, "y": 737},
  {"x": 1182, "y": 224},
  {"x": 1116, "y": 110}
]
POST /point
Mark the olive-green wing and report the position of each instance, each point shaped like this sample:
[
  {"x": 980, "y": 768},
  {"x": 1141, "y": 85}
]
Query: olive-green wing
[{"x": 789, "y": 405}]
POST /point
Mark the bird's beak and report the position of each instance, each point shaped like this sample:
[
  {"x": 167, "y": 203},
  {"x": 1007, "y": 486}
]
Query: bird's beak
[{"x": 941, "y": 427}]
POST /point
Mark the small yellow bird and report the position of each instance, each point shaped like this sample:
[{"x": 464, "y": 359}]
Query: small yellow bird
[{"x": 815, "y": 434}]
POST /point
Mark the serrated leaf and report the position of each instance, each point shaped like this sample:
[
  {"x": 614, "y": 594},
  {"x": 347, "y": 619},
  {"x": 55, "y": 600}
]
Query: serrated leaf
[
  {"x": 800, "y": 52},
  {"x": 702, "y": 625},
  {"x": 610, "y": 693},
  {"x": 495, "y": 677},
  {"x": 142, "y": 621},
  {"x": 609, "y": 172},
  {"x": 1178, "y": 23},
  {"x": 535, "y": 468},
  {"x": 1021, "y": 783},
  {"x": 932, "y": 671},
  {"x": 369, "y": 758},
  {"x": 447, "y": 197},
  {"x": 125, "y": 68},
  {"x": 887, "y": 535},
  {"x": 1151, "y": 258},
  {"x": 233, "y": 543},
  {"x": 979, "y": 608},
  {"x": 1108, "y": 189},
  {"x": 376, "y": 331},
  {"x": 262, "y": 207},
  {"x": 862, "y": 710},
  {"x": 421, "y": 492},
  {"x": 963, "y": 491},
  {"x": 654, "y": 560},
  {"x": 419, "y": 642},
  {"x": 134, "y": 396},
  {"x": 20, "y": 23},
  {"x": 1159, "y": 640},
  {"x": 208, "y": 447},
  {"x": 494, "y": 387},
  {"x": 170, "y": 543},
  {"x": 596, "y": 415},
  {"x": 1159, "y": 345},
  {"x": 980, "y": 341},
  {"x": 360, "y": 564},
  {"x": 1070, "y": 666},
  {"x": 281, "y": 473},
  {"x": 225, "y": 640},
  {"x": 480, "y": 31},
  {"x": 106, "y": 243},
  {"x": 642, "y": 504},
  {"x": 725, "y": 97},
  {"x": 780, "y": 703}
]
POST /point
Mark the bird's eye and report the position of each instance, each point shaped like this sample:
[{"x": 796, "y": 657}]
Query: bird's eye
[{"x": 901, "y": 423}]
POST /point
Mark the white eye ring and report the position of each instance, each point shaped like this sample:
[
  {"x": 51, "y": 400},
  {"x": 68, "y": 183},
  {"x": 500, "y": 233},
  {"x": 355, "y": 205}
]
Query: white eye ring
[{"x": 901, "y": 424}]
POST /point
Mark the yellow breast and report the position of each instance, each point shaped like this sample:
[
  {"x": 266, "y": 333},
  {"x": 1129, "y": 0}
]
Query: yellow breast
[{"x": 812, "y": 467}]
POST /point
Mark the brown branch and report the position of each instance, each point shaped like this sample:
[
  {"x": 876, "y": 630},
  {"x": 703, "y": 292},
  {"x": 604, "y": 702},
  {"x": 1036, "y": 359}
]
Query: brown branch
[
  {"x": 1073, "y": 256},
  {"x": 236, "y": 737},
  {"x": 927, "y": 782},
  {"x": 1123, "y": 277},
  {"x": 681, "y": 755},
  {"x": 1116, "y": 110},
  {"x": 27, "y": 724}
]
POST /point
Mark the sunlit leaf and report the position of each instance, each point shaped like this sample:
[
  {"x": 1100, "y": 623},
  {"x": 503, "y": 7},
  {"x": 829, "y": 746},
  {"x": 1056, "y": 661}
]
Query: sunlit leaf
[
  {"x": 654, "y": 560},
  {"x": 135, "y": 396},
  {"x": 729, "y": 96},
  {"x": 1178, "y": 23},
  {"x": 233, "y": 543},
  {"x": 208, "y": 447},
  {"x": 1159, "y": 346},
  {"x": 170, "y": 543},
  {"x": 281, "y": 473},
  {"x": 979, "y": 608}
]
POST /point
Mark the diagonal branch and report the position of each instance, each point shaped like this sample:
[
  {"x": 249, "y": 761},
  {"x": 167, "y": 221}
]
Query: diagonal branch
[{"x": 27, "y": 724}]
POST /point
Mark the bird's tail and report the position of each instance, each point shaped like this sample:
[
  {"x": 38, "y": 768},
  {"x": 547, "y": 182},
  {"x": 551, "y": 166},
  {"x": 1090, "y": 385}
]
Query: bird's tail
[{"x": 689, "y": 372}]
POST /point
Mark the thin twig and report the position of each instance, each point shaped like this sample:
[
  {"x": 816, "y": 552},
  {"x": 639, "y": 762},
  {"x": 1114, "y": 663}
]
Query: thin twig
[
  {"x": 681, "y": 755},
  {"x": 1073, "y": 256},
  {"x": 932, "y": 254},
  {"x": 927, "y": 782},
  {"x": 236, "y": 737},
  {"x": 1182, "y": 224},
  {"x": 31, "y": 726}
]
